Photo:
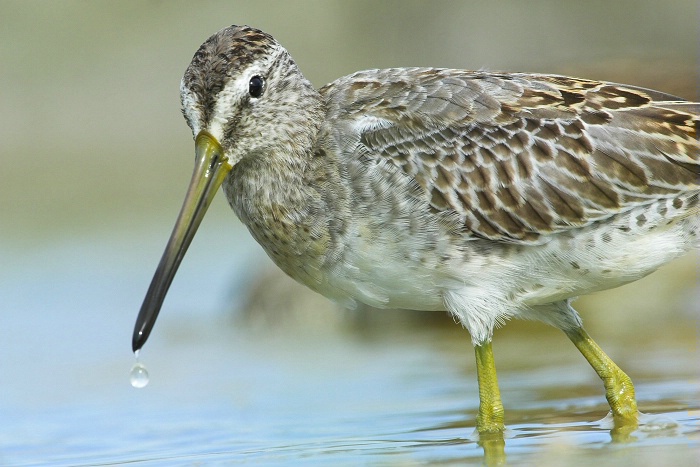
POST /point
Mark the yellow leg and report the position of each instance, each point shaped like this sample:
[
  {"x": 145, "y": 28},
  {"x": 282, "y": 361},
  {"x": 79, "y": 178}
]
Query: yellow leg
[
  {"x": 490, "y": 417},
  {"x": 619, "y": 389}
]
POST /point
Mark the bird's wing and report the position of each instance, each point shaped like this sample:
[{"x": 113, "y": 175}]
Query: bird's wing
[{"x": 521, "y": 155}]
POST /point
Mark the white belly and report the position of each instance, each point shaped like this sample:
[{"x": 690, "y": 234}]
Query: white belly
[
  {"x": 484, "y": 286},
  {"x": 387, "y": 274}
]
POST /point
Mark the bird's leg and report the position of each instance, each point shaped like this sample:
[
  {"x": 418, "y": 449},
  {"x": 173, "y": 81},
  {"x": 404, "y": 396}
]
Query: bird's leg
[
  {"x": 490, "y": 417},
  {"x": 619, "y": 389}
]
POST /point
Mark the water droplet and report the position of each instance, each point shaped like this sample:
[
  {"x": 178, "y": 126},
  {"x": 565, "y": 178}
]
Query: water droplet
[{"x": 139, "y": 374}]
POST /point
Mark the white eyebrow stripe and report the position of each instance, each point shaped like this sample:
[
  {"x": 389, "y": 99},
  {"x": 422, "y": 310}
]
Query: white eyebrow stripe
[{"x": 227, "y": 99}]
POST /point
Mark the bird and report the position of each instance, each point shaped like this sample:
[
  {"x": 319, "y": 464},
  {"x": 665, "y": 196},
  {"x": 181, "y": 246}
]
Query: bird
[{"x": 489, "y": 195}]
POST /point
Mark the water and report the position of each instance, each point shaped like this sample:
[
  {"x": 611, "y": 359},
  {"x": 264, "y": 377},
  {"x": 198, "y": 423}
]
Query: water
[{"x": 371, "y": 391}]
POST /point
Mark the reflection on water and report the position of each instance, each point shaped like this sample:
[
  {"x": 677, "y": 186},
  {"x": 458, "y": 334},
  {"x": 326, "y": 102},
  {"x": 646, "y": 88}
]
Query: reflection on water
[{"x": 385, "y": 393}]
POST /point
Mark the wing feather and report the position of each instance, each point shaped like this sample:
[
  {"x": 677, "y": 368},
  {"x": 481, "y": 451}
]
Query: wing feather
[{"x": 518, "y": 156}]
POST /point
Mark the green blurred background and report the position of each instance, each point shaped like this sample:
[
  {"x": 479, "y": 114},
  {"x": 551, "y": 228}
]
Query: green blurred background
[{"x": 92, "y": 142}]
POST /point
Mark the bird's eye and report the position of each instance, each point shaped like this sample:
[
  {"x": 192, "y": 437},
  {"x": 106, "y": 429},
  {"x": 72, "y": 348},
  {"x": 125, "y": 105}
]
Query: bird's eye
[{"x": 255, "y": 86}]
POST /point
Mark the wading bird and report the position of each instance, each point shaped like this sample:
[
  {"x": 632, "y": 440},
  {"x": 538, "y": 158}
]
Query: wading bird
[{"x": 490, "y": 195}]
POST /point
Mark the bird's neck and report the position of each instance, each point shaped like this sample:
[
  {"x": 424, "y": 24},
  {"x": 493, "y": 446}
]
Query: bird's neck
[
  {"x": 282, "y": 186},
  {"x": 285, "y": 207}
]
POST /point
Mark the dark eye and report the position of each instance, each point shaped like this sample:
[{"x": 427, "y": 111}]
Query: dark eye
[{"x": 255, "y": 86}]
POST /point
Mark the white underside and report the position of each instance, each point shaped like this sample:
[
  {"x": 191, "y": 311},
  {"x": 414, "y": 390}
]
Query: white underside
[{"x": 486, "y": 290}]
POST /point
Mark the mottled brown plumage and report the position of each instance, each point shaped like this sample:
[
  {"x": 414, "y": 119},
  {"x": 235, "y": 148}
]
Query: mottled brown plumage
[
  {"x": 489, "y": 195},
  {"x": 520, "y": 156}
]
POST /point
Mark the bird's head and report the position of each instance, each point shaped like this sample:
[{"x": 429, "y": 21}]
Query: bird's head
[
  {"x": 244, "y": 99},
  {"x": 243, "y": 89}
]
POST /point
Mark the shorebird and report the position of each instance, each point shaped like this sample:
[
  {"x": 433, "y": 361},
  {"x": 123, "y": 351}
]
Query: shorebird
[{"x": 489, "y": 195}]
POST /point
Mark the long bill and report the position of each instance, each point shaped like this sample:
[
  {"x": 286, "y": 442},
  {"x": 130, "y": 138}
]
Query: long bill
[{"x": 211, "y": 168}]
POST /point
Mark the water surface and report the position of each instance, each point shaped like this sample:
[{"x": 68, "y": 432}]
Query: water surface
[{"x": 387, "y": 392}]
